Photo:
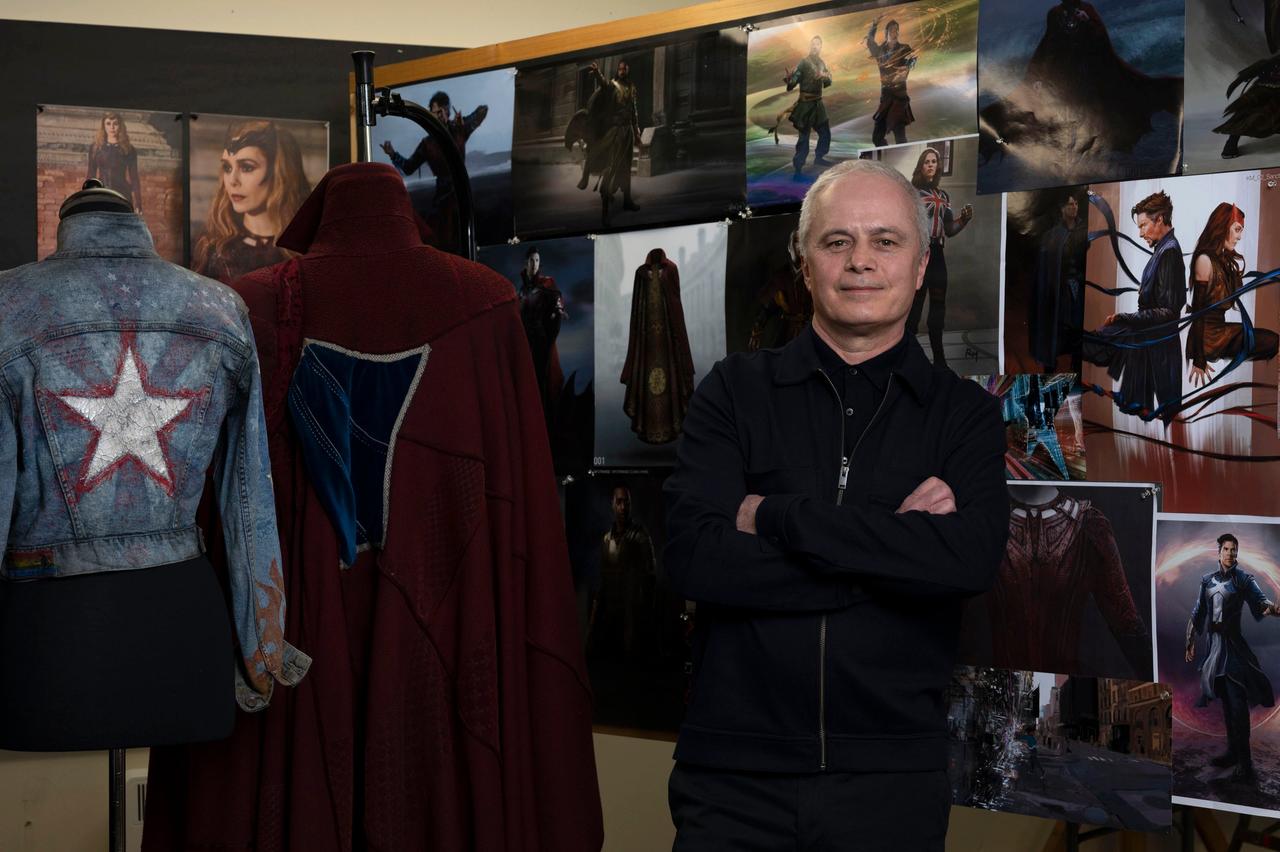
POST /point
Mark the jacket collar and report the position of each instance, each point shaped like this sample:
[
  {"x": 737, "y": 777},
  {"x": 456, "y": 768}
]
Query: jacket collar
[
  {"x": 101, "y": 233},
  {"x": 356, "y": 209},
  {"x": 799, "y": 361}
]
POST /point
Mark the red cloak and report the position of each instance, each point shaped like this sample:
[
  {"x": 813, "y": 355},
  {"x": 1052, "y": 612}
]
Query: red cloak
[{"x": 448, "y": 706}]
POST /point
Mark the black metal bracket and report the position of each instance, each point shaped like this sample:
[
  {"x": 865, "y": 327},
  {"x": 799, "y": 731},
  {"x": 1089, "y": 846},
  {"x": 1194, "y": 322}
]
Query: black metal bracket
[
  {"x": 1268, "y": 838},
  {"x": 374, "y": 102}
]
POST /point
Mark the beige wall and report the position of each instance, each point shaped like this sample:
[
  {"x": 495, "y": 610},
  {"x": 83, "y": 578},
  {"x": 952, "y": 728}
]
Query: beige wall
[{"x": 467, "y": 23}]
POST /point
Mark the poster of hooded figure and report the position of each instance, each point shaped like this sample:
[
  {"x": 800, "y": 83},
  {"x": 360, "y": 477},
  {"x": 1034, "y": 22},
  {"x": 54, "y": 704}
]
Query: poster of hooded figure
[
  {"x": 1233, "y": 86},
  {"x": 659, "y": 329},
  {"x": 1217, "y": 581},
  {"x": 822, "y": 87},
  {"x": 1072, "y": 92},
  {"x": 1180, "y": 339}
]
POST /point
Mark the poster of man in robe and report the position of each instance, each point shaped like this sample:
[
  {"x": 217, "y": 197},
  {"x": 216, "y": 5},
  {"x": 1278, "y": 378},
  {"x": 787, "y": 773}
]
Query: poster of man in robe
[
  {"x": 478, "y": 110},
  {"x": 554, "y": 282},
  {"x": 825, "y": 86},
  {"x": 1180, "y": 339},
  {"x": 627, "y": 137},
  {"x": 1217, "y": 580}
]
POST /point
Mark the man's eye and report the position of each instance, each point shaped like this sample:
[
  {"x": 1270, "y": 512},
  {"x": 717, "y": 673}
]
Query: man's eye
[
  {"x": 835, "y": 244},
  {"x": 885, "y": 241}
]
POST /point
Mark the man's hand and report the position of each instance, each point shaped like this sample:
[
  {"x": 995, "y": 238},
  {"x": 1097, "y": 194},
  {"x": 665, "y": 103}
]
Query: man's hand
[
  {"x": 1110, "y": 319},
  {"x": 1191, "y": 652},
  {"x": 386, "y": 146},
  {"x": 933, "y": 496},
  {"x": 747, "y": 513},
  {"x": 1271, "y": 610},
  {"x": 1201, "y": 375}
]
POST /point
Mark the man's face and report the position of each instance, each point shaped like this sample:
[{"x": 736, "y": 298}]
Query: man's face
[
  {"x": 532, "y": 264},
  {"x": 624, "y": 71},
  {"x": 1151, "y": 229},
  {"x": 862, "y": 260},
  {"x": 815, "y": 46},
  {"x": 1227, "y": 554},
  {"x": 1070, "y": 210},
  {"x": 440, "y": 110},
  {"x": 621, "y": 504},
  {"x": 891, "y": 33}
]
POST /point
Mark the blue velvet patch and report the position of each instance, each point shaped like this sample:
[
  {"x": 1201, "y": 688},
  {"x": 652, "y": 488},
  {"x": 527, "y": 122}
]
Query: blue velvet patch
[{"x": 345, "y": 408}]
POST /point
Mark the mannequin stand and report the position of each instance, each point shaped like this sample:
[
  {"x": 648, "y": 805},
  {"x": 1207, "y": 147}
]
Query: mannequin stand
[{"x": 115, "y": 786}]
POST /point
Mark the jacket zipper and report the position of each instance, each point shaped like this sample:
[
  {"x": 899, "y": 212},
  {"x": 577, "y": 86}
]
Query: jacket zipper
[{"x": 841, "y": 484}]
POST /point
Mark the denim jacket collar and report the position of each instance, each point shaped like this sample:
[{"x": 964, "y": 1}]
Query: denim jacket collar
[{"x": 104, "y": 234}]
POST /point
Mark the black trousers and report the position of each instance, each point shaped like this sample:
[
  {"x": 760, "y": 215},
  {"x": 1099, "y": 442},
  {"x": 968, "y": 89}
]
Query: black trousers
[
  {"x": 802, "y": 145},
  {"x": 935, "y": 287},
  {"x": 1235, "y": 713},
  {"x": 725, "y": 811}
]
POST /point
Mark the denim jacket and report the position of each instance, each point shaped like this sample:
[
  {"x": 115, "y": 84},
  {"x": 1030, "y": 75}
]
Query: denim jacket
[{"x": 122, "y": 379}]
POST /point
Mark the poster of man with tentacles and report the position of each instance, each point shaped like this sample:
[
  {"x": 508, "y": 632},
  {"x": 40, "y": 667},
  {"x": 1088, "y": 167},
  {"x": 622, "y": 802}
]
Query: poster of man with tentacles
[{"x": 1182, "y": 302}]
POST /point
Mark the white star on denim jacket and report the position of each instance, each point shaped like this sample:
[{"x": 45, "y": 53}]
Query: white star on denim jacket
[{"x": 128, "y": 422}]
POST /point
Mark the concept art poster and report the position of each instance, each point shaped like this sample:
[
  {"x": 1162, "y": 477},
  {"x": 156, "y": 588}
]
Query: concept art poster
[
  {"x": 1046, "y": 248},
  {"x": 823, "y": 87},
  {"x": 1072, "y": 92},
  {"x": 1044, "y": 428},
  {"x": 1073, "y": 591},
  {"x": 479, "y": 111},
  {"x": 1080, "y": 749},
  {"x": 956, "y": 312},
  {"x": 554, "y": 280},
  {"x": 643, "y": 136},
  {"x": 1233, "y": 86},
  {"x": 766, "y": 302},
  {"x": 248, "y": 178},
  {"x": 659, "y": 330},
  {"x": 135, "y": 152},
  {"x": 1219, "y": 649},
  {"x": 1180, "y": 339},
  {"x": 630, "y": 620}
]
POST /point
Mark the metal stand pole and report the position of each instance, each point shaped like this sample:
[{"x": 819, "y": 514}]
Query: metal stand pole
[
  {"x": 371, "y": 103},
  {"x": 115, "y": 819}
]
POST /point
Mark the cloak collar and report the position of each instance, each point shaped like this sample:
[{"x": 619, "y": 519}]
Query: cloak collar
[{"x": 356, "y": 209}]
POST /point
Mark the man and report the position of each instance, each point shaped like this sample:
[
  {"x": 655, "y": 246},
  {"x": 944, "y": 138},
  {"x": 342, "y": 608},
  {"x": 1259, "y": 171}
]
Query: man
[
  {"x": 785, "y": 306},
  {"x": 1142, "y": 349},
  {"x": 443, "y": 219},
  {"x": 609, "y": 127},
  {"x": 541, "y": 312},
  {"x": 809, "y": 113},
  {"x": 628, "y": 571},
  {"x": 834, "y": 502},
  {"x": 1230, "y": 670},
  {"x": 896, "y": 61}
]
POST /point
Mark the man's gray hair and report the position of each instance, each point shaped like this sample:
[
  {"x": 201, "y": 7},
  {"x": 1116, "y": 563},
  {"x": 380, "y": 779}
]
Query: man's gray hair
[{"x": 863, "y": 167}]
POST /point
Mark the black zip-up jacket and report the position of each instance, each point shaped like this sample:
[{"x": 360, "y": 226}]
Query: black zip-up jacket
[{"x": 827, "y": 641}]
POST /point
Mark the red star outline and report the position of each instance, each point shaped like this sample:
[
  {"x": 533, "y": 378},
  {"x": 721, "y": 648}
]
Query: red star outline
[{"x": 84, "y": 484}]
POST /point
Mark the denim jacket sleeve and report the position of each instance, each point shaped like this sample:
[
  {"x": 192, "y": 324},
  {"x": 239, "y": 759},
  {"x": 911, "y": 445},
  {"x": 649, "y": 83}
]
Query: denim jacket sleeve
[
  {"x": 247, "y": 505},
  {"x": 8, "y": 463}
]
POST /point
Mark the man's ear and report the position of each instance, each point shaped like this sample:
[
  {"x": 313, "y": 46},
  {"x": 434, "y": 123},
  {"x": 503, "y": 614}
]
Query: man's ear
[
  {"x": 806, "y": 272},
  {"x": 924, "y": 264}
]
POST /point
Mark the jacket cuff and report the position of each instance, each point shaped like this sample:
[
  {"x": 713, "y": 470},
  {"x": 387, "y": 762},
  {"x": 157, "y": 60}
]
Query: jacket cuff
[
  {"x": 771, "y": 517},
  {"x": 293, "y": 666}
]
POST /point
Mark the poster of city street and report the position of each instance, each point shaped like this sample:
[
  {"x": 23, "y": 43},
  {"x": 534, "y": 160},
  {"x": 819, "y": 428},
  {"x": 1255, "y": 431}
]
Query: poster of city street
[{"x": 1080, "y": 749}]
